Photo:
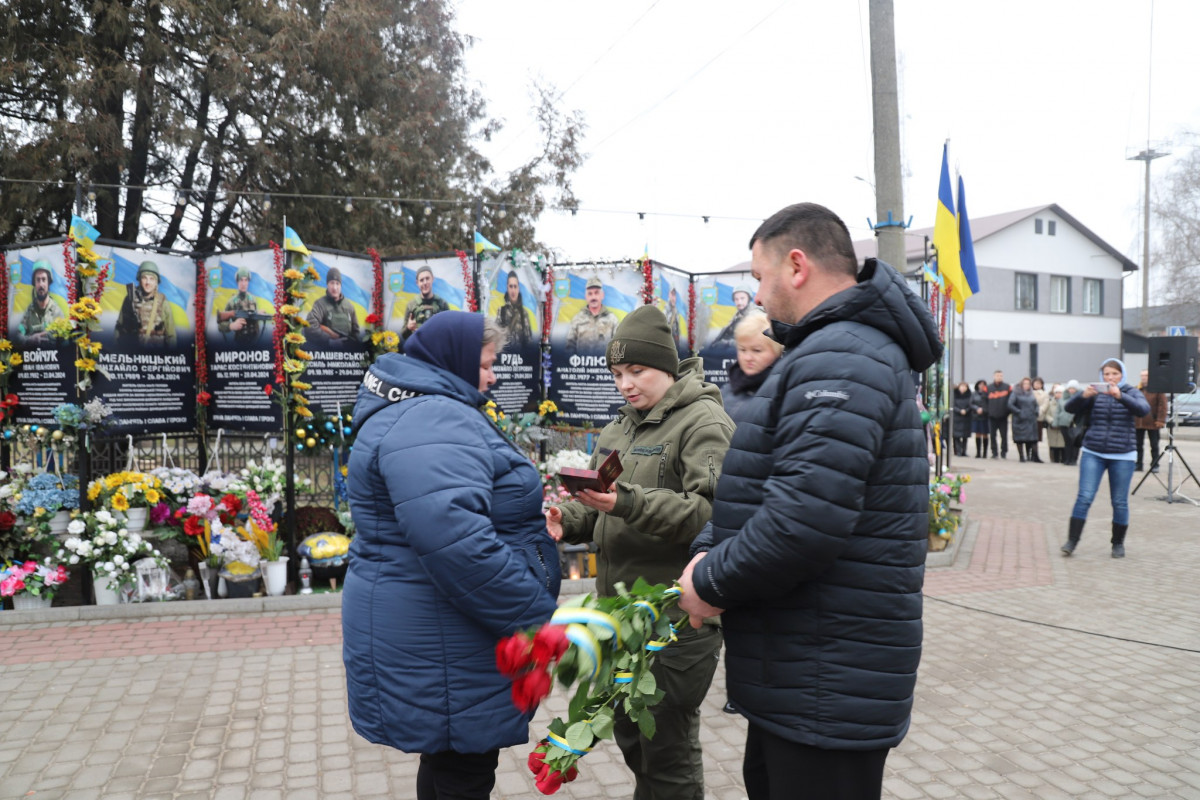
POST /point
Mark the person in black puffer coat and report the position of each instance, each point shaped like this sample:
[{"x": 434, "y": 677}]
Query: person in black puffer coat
[
  {"x": 1110, "y": 443},
  {"x": 962, "y": 418},
  {"x": 1023, "y": 405},
  {"x": 820, "y": 520},
  {"x": 979, "y": 418}
]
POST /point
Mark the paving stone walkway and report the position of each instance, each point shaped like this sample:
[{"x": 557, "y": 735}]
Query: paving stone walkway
[{"x": 1043, "y": 677}]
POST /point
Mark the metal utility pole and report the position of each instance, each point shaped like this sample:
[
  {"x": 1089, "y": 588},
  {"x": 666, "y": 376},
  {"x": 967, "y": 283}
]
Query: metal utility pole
[
  {"x": 1147, "y": 155},
  {"x": 889, "y": 193}
]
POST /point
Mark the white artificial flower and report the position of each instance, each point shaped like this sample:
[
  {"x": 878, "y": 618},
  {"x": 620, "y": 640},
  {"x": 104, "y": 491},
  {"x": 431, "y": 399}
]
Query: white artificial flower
[
  {"x": 104, "y": 516},
  {"x": 76, "y": 526},
  {"x": 118, "y": 560},
  {"x": 109, "y": 537},
  {"x": 73, "y": 560},
  {"x": 23, "y": 468},
  {"x": 107, "y": 566}
]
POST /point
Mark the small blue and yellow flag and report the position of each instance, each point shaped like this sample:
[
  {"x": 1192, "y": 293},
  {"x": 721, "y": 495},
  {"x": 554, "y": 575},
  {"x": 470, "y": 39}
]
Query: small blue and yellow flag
[
  {"x": 83, "y": 232},
  {"x": 291, "y": 241},
  {"x": 482, "y": 244}
]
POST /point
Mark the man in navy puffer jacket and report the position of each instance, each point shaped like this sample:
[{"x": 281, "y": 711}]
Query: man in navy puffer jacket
[{"x": 819, "y": 526}]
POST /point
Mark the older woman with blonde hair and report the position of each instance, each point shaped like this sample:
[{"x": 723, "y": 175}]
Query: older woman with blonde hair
[{"x": 756, "y": 355}]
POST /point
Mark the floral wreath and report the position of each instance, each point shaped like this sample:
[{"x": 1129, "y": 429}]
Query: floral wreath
[{"x": 382, "y": 340}]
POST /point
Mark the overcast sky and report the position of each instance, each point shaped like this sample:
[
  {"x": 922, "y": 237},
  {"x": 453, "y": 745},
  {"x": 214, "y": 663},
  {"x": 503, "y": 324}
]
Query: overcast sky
[{"x": 698, "y": 107}]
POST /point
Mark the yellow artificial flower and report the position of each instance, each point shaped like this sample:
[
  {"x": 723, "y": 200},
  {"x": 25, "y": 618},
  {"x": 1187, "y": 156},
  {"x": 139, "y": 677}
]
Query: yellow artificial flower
[
  {"x": 345, "y": 470},
  {"x": 303, "y": 412},
  {"x": 294, "y": 338},
  {"x": 60, "y": 328},
  {"x": 301, "y": 321},
  {"x": 16, "y": 360},
  {"x": 86, "y": 272},
  {"x": 292, "y": 366},
  {"x": 94, "y": 490},
  {"x": 3, "y": 369},
  {"x": 547, "y": 407},
  {"x": 5, "y": 345},
  {"x": 119, "y": 502},
  {"x": 312, "y": 272},
  {"x": 391, "y": 339},
  {"x": 86, "y": 253},
  {"x": 293, "y": 274},
  {"x": 152, "y": 496},
  {"x": 301, "y": 399},
  {"x": 300, "y": 354},
  {"x": 376, "y": 338},
  {"x": 86, "y": 364},
  {"x": 289, "y": 310},
  {"x": 301, "y": 386}
]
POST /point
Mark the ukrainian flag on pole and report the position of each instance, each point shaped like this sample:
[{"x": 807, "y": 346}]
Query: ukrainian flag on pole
[
  {"x": 482, "y": 244},
  {"x": 291, "y": 241},
  {"x": 83, "y": 231},
  {"x": 945, "y": 239},
  {"x": 966, "y": 245}
]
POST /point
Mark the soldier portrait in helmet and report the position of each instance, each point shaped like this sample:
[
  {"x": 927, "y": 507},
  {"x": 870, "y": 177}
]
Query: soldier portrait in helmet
[{"x": 145, "y": 317}]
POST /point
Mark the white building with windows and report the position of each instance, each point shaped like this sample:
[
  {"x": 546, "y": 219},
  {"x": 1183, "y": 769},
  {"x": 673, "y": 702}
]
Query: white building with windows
[{"x": 1049, "y": 301}]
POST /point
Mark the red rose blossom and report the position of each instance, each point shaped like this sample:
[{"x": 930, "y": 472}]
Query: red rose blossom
[
  {"x": 551, "y": 783},
  {"x": 536, "y": 759},
  {"x": 549, "y": 644},
  {"x": 512, "y": 655},
  {"x": 529, "y": 689}
]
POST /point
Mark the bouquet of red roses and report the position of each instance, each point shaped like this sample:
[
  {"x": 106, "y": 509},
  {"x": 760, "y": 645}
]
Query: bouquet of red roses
[{"x": 604, "y": 647}]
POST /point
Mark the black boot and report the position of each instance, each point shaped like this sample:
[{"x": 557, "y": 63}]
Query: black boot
[
  {"x": 1118, "y": 540},
  {"x": 977, "y": 448},
  {"x": 1033, "y": 454},
  {"x": 1021, "y": 451},
  {"x": 1073, "y": 534}
]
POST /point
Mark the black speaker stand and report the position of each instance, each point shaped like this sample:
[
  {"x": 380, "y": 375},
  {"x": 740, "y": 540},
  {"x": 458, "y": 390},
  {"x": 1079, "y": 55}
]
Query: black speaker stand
[{"x": 1173, "y": 494}]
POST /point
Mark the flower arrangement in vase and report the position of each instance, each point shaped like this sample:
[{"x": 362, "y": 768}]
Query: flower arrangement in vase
[
  {"x": 100, "y": 541},
  {"x": 125, "y": 491},
  {"x": 42, "y": 498},
  {"x": 30, "y": 579}
]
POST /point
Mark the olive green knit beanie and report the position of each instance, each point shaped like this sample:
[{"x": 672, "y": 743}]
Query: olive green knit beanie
[{"x": 644, "y": 337}]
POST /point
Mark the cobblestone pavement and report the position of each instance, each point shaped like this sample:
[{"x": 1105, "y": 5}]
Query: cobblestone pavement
[{"x": 1043, "y": 677}]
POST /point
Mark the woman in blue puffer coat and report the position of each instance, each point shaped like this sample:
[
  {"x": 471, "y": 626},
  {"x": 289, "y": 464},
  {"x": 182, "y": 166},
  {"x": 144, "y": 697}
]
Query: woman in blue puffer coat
[
  {"x": 1109, "y": 444},
  {"x": 451, "y": 554}
]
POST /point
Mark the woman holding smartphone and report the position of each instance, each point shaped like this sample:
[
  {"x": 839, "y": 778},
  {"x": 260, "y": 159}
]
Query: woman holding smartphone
[{"x": 1110, "y": 444}]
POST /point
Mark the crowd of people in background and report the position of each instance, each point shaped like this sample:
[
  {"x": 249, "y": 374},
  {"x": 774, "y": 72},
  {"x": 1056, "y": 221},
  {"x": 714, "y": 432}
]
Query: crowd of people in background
[{"x": 1033, "y": 414}]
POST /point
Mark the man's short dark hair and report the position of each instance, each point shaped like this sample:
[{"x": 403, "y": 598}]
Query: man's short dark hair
[{"x": 814, "y": 229}]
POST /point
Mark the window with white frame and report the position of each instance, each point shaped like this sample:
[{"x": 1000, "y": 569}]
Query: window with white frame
[
  {"x": 1060, "y": 294},
  {"x": 1026, "y": 294},
  {"x": 1093, "y": 296}
]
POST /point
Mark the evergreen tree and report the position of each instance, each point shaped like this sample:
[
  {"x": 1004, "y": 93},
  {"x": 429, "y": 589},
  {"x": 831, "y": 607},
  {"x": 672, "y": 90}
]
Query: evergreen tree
[{"x": 213, "y": 103}]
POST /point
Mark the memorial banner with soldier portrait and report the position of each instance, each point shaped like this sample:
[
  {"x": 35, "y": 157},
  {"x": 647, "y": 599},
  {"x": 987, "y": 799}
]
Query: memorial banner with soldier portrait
[
  {"x": 420, "y": 287},
  {"x": 337, "y": 309},
  {"x": 671, "y": 298},
  {"x": 146, "y": 369},
  {"x": 239, "y": 330},
  {"x": 513, "y": 291},
  {"x": 37, "y": 296},
  {"x": 721, "y": 303},
  {"x": 588, "y": 302}
]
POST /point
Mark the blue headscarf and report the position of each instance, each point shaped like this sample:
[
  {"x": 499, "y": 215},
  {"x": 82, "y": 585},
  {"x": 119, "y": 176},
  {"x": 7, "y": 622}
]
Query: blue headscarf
[{"x": 451, "y": 340}]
